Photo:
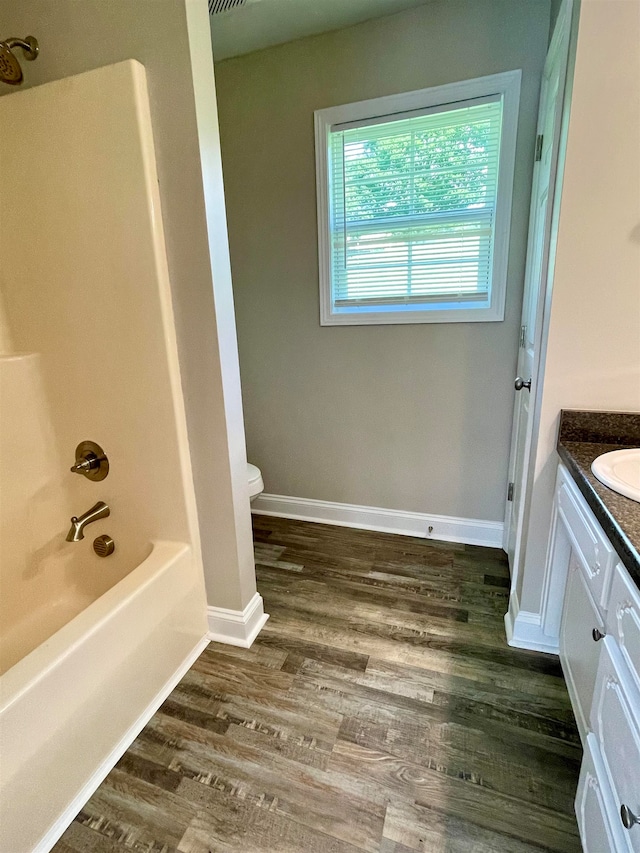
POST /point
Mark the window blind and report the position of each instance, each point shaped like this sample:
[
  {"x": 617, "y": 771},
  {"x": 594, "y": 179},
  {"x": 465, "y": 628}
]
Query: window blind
[{"x": 412, "y": 201}]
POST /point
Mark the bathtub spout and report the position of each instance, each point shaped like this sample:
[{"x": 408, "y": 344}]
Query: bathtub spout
[{"x": 78, "y": 524}]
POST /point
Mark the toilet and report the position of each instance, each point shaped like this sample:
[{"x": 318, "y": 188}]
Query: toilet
[{"x": 256, "y": 484}]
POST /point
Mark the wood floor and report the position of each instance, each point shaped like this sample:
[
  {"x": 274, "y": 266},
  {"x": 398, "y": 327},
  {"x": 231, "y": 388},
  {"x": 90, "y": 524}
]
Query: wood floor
[{"x": 380, "y": 710}]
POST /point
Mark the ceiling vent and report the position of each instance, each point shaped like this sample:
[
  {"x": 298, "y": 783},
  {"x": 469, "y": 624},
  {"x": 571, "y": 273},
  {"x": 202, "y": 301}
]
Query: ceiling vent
[{"x": 216, "y": 7}]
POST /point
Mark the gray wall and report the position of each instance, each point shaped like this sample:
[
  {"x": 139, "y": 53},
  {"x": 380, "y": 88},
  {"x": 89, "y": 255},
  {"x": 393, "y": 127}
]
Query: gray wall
[{"x": 413, "y": 417}]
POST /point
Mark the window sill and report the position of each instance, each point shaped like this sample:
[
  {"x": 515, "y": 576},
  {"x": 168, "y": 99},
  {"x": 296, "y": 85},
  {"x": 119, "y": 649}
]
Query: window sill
[{"x": 358, "y": 317}]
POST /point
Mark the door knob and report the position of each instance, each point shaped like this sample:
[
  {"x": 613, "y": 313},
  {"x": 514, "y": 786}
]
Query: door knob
[
  {"x": 597, "y": 635},
  {"x": 519, "y": 384}
]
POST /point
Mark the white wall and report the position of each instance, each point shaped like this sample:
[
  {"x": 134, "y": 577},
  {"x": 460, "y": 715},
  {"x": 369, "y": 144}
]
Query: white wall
[
  {"x": 78, "y": 36},
  {"x": 593, "y": 355},
  {"x": 413, "y": 418}
]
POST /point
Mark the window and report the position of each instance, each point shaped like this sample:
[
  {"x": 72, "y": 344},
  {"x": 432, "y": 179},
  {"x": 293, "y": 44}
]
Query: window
[{"x": 414, "y": 204}]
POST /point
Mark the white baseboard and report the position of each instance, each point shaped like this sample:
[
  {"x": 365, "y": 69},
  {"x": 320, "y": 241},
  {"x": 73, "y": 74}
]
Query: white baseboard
[
  {"x": 446, "y": 528},
  {"x": 53, "y": 834},
  {"x": 237, "y": 627},
  {"x": 524, "y": 629}
]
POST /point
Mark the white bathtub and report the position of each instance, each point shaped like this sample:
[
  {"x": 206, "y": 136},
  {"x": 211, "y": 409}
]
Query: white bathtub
[{"x": 70, "y": 708}]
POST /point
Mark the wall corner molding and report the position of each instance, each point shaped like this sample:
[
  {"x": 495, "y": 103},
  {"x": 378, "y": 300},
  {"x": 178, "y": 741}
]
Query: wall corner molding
[
  {"x": 237, "y": 627},
  {"x": 524, "y": 629},
  {"x": 445, "y": 528}
]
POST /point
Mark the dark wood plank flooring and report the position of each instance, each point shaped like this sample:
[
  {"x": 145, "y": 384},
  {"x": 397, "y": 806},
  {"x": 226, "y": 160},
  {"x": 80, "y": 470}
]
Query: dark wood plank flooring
[{"x": 380, "y": 710}]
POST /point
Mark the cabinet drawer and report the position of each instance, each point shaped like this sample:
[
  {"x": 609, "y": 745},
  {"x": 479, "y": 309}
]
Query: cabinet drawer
[
  {"x": 595, "y": 807},
  {"x": 614, "y": 715},
  {"x": 595, "y": 550},
  {"x": 623, "y": 620}
]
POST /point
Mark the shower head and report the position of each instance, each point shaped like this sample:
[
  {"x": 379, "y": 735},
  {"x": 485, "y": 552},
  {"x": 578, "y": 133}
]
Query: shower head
[{"x": 10, "y": 70}]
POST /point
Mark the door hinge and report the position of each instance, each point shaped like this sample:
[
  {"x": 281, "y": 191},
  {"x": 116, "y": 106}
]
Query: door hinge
[
  {"x": 523, "y": 336},
  {"x": 510, "y": 492},
  {"x": 539, "y": 141}
]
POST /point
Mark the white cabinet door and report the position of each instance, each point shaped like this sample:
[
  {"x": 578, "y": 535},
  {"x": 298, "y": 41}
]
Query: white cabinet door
[
  {"x": 595, "y": 809},
  {"x": 623, "y": 620},
  {"x": 578, "y": 651},
  {"x": 614, "y": 720}
]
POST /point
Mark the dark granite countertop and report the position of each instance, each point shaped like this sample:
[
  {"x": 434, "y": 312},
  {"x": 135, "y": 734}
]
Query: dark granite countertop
[{"x": 584, "y": 436}]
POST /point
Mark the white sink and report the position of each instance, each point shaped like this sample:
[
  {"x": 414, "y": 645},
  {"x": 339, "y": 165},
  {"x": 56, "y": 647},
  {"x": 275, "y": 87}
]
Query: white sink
[{"x": 620, "y": 471}]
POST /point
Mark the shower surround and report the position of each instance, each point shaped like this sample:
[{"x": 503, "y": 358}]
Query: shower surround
[{"x": 90, "y": 646}]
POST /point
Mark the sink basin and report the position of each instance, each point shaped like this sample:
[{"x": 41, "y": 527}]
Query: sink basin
[{"x": 620, "y": 471}]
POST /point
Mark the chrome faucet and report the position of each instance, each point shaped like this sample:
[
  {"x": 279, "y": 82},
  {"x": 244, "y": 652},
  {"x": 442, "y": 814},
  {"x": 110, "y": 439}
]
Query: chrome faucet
[{"x": 76, "y": 532}]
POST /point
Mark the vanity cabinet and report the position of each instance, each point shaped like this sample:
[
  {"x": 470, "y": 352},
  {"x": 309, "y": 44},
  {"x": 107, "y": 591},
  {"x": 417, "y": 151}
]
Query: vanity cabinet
[{"x": 600, "y": 656}]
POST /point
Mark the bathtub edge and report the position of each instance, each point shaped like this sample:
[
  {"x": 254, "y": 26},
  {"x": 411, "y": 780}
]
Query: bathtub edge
[{"x": 54, "y": 833}]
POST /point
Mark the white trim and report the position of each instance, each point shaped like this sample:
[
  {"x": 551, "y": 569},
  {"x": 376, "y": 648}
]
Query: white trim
[
  {"x": 470, "y": 531},
  {"x": 557, "y": 560},
  {"x": 62, "y": 822},
  {"x": 524, "y": 630},
  {"x": 237, "y": 627},
  {"x": 506, "y": 84}
]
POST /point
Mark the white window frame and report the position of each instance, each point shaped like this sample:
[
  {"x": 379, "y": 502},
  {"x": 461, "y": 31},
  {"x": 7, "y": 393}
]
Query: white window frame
[{"x": 506, "y": 85}]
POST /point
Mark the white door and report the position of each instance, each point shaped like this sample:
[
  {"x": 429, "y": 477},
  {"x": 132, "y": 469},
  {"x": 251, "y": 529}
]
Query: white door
[{"x": 544, "y": 179}]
